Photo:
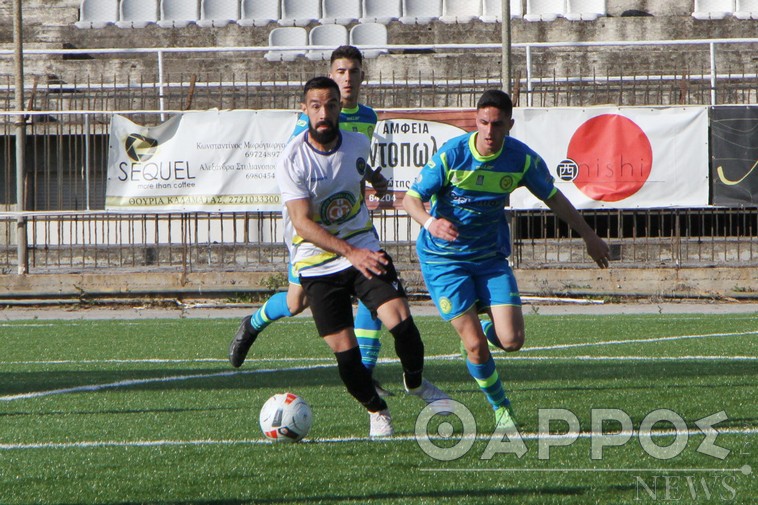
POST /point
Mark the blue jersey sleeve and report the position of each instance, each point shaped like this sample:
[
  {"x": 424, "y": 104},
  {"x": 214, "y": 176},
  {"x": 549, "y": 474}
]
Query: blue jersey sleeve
[
  {"x": 431, "y": 179},
  {"x": 537, "y": 178}
]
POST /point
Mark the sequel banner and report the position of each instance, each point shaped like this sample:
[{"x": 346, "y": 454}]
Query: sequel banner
[
  {"x": 206, "y": 161},
  {"x": 734, "y": 151}
]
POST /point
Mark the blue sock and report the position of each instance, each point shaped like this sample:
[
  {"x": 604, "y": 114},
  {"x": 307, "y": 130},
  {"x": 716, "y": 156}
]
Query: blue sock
[
  {"x": 367, "y": 330},
  {"x": 489, "y": 382},
  {"x": 489, "y": 332},
  {"x": 274, "y": 308}
]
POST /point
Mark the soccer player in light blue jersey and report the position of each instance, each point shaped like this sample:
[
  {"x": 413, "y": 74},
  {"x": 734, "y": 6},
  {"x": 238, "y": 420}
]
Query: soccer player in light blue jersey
[
  {"x": 346, "y": 68},
  {"x": 465, "y": 240}
]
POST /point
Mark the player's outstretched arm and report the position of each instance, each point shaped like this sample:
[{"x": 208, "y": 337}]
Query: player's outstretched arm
[
  {"x": 368, "y": 262},
  {"x": 564, "y": 209}
]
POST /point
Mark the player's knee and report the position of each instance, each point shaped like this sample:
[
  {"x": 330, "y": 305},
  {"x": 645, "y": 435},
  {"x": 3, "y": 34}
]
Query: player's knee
[
  {"x": 408, "y": 344},
  {"x": 297, "y": 306},
  {"x": 514, "y": 343},
  {"x": 296, "y": 302},
  {"x": 406, "y": 331},
  {"x": 478, "y": 352}
]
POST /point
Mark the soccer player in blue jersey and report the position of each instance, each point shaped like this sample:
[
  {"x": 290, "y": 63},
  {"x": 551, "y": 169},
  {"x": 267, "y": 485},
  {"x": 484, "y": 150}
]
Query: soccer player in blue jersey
[
  {"x": 465, "y": 240},
  {"x": 346, "y": 68}
]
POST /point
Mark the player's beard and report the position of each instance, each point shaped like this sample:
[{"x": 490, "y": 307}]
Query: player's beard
[{"x": 326, "y": 136}]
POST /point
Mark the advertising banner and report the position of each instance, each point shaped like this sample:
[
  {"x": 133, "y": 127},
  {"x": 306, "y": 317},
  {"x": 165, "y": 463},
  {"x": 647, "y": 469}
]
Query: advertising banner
[
  {"x": 734, "y": 151},
  {"x": 225, "y": 160},
  {"x": 206, "y": 161},
  {"x": 619, "y": 158},
  {"x": 404, "y": 140}
]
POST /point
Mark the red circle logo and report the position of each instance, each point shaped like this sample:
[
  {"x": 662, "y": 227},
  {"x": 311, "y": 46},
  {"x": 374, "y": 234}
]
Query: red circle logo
[{"x": 613, "y": 156}]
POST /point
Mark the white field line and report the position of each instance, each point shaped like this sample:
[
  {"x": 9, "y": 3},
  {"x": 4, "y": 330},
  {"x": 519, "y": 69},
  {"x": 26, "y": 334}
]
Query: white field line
[
  {"x": 330, "y": 364},
  {"x": 54, "y": 323},
  {"x": 334, "y": 440},
  {"x": 438, "y": 357},
  {"x": 160, "y": 361},
  {"x": 502, "y": 354},
  {"x": 637, "y": 341},
  {"x": 135, "y": 382},
  {"x": 136, "y": 322},
  {"x": 138, "y": 382},
  {"x": 68, "y": 322},
  {"x": 524, "y": 350}
]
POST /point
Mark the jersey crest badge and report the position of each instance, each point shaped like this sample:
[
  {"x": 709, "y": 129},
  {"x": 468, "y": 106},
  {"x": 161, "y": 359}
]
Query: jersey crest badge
[
  {"x": 507, "y": 183},
  {"x": 336, "y": 209},
  {"x": 360, "y": 165}
]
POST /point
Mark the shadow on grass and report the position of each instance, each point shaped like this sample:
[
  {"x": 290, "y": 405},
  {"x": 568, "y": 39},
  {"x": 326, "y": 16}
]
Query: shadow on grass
[
  {"x": 114, "y": 412},
  {"x": 325, "y": 374},
  {"x": 156, "y": 379},
  {"x": 494, "y": 495},
  {"x": 582, "y": 375}
]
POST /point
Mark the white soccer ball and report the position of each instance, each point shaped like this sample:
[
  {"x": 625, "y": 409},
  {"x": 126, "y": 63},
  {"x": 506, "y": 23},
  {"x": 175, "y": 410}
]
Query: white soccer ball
[{"x": 285, "y": 417}]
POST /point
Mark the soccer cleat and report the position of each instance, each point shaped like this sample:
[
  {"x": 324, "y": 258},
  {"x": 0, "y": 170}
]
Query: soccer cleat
[
  {"x": 383, "y": 393},
  {"x": 241, "y": 343},
  {"x": 432, "y": 395},
  {"x": 381, "y": 424},
  {"x": 505, "y": 419}
]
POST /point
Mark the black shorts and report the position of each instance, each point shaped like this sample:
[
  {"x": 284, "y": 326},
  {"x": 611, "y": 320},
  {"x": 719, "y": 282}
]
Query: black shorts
[{"x": 331, "y": 296}]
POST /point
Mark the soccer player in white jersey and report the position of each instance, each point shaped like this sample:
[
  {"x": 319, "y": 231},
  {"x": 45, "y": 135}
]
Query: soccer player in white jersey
[
  {"x": 336, "y": 253},
  {"x": 465, "y": 240},
  {"x": 345, "y": 68}
]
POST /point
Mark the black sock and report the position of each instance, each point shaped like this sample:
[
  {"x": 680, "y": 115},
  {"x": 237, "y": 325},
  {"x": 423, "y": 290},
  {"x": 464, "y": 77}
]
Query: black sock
[
  {"x": 410, "y": 350},
  {"x": 357, "y": 379}
]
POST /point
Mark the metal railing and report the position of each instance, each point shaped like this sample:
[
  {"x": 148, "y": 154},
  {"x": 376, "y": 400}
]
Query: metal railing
[
  {"x": 709, "y": 72},
  {"x": 68, "y": 138}
]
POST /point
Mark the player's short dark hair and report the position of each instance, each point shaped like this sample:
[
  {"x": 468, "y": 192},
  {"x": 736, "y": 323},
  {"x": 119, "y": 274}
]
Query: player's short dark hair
[
  {"x": 498, "y": 99},
  {"x": 347, "y": 52},
  {"x": 320, "y": 82}
]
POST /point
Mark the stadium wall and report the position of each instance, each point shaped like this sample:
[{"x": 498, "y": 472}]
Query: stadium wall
[
  {"x": 50, "y": 25},
  {"x": 614, "y": 283}
]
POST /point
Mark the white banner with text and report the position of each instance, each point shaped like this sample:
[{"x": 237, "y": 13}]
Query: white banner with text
[
  {"x": 601, "y": 157},
  {"x": 204, "y": 161},
  {"x": 619, "y": 157}
]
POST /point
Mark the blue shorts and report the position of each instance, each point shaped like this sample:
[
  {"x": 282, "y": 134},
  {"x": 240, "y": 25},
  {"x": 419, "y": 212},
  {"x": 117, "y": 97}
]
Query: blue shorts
[
  {"x": 292, "y": 277},
  {"x": 456, "y": 286}
]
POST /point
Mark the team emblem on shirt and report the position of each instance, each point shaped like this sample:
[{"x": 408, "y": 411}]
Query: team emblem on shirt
[
  {"x": 360, "y": 165},
  {"x": 336, "y": 209},
  {"x": 507, "y": 183}
]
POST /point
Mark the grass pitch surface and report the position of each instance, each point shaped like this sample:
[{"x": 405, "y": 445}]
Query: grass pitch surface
[{"x": 150, "y": 411}]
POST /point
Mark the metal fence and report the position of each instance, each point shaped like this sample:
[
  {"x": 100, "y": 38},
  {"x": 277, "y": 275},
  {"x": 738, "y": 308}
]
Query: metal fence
[
  {"x": 545, "y": 74},
  {"x": 67, "y": 242},
  {"x": 67, "y": 142}
]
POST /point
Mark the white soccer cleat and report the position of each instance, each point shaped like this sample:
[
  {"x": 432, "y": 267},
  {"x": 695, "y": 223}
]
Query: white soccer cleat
[
  {"x": 438, "y": 400},
  {"x": 381, "y": 424}
]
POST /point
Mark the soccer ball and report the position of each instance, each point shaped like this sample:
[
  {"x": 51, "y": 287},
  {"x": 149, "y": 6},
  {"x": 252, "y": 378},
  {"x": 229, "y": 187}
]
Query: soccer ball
[{"x": 285, "y": 417}]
